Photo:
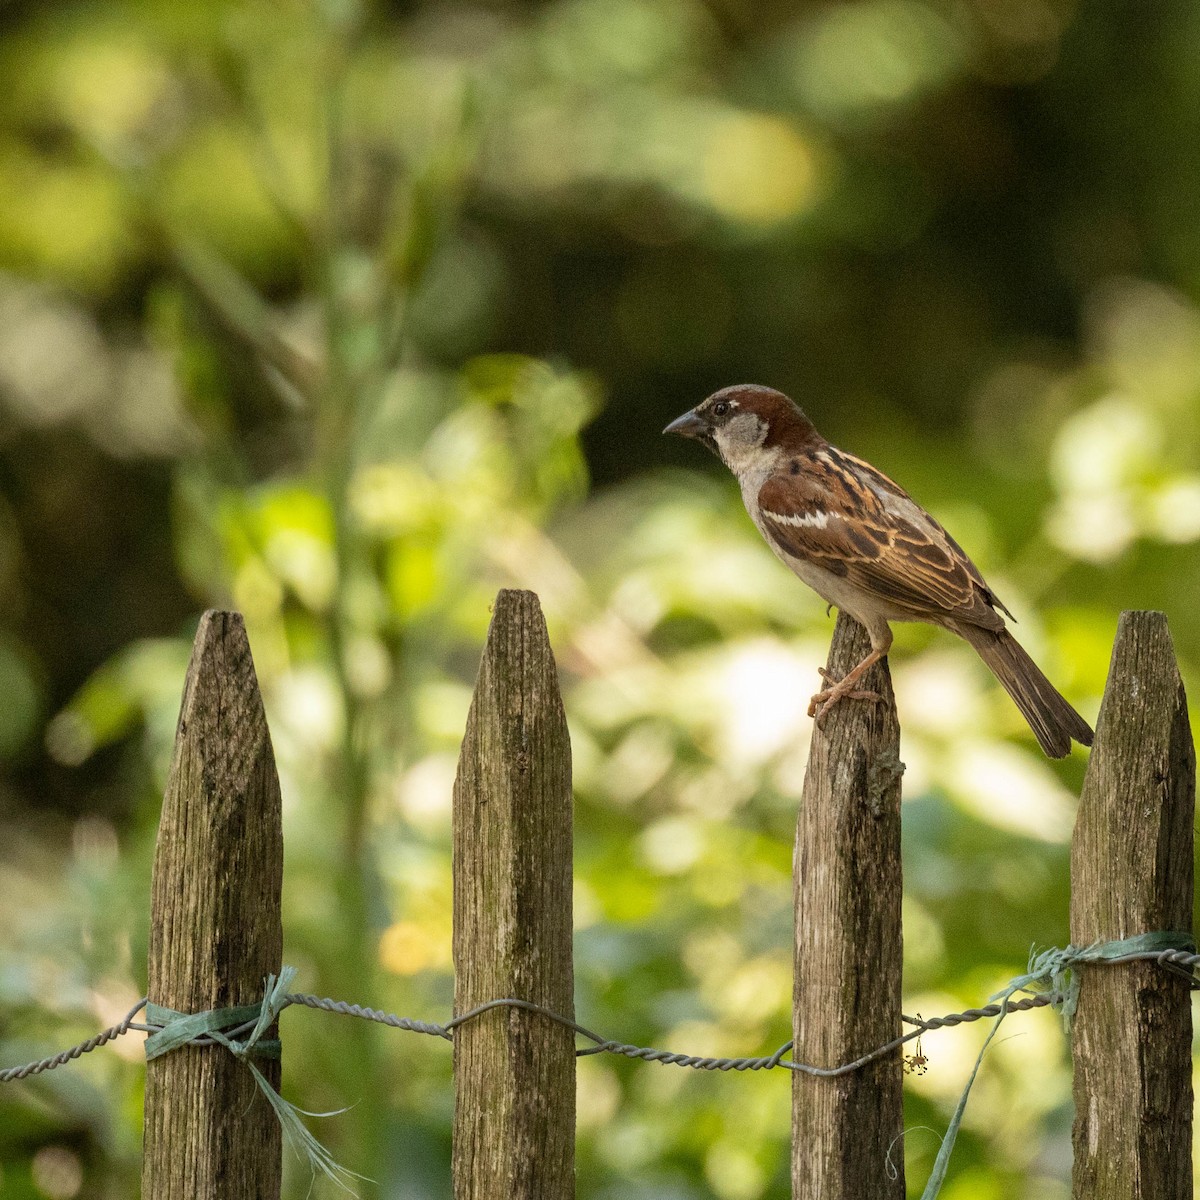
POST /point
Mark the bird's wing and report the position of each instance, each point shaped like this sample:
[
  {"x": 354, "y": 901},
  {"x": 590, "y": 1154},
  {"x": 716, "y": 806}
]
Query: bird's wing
[{"x": 839, "y": 512}]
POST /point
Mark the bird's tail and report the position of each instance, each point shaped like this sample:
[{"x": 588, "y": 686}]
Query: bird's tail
[{"x": 1054, "y": 722}]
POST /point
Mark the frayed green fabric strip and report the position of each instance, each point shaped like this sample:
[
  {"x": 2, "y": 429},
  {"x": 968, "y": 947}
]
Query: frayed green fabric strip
[
  {"x": 181, "y": 1029},
  {"x": 1057, "y": 967},
  {"x": 1054, "y": 971}
]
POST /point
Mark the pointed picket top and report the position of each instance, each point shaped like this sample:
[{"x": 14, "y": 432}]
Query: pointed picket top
[
  {"x": 216, "y": 930},
  {"x": 1131, "y": 873},
  {"x": 514, "y": 1071}
]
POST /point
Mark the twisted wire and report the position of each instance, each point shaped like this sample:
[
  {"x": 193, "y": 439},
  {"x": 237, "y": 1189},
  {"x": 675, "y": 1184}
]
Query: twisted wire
[
  {"x": 1177, "y": 961},
  {"x": 342, "y": 1008},
  {"x": 65, "y": 1056}
]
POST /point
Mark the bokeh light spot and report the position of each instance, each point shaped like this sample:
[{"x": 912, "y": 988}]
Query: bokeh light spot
[
  {"x": 758, "y": 169},
  {"x": 858, "y": 55},
  {"x": 731, "y": 1169},
  {"x": 404, "y": 949},
  {"x": 57, "y": 1172},
  {"x": 110, "y": 89}
]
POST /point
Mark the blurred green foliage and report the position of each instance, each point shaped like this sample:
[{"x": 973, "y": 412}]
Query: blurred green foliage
[{"x": 346, "y": 314}]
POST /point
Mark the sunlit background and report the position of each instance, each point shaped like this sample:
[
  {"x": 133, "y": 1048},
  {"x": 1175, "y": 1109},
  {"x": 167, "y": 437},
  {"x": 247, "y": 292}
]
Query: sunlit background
[{"x": 347, "y": 314}]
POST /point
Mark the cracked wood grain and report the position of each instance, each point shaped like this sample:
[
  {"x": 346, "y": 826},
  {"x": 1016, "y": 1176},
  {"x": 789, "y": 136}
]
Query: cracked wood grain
[
  {"x": 848, "y": 948},
  {"x": 1131, "y": 873},
  {"x": 216, "y": 930},
  {"x": 514, "y": 1072}
]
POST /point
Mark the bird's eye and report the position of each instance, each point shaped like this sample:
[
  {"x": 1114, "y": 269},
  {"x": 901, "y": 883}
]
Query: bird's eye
[{"x": 720, "y": 408}]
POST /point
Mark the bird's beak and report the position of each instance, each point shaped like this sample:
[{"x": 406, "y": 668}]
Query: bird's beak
[{"x": 689, "y": 425}]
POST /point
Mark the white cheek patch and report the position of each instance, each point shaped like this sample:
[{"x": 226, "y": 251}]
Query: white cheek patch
[
  {"x": 740, "y": 440},
  {"x": 746, "y": 429},
  {"x": 815, "y": 520}
]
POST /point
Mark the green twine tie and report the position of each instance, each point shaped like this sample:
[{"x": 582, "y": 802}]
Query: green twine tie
[
  {"x": 222, "y": 1025},
  {"x": 1050, "y": 970}
]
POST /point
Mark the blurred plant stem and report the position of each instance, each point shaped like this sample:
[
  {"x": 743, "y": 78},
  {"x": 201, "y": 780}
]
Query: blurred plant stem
[
  {"x": 248, "y": 318},
  {"x": 358, "y": 1065}
]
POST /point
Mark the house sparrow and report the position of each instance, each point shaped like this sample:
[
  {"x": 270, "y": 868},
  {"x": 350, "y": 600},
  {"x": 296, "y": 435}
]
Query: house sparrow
[{"x": 863, "y": 544}]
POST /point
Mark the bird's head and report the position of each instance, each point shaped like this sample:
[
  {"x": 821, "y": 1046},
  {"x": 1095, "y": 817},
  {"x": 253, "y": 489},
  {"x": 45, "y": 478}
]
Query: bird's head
[{"x": 746, "y": 424}]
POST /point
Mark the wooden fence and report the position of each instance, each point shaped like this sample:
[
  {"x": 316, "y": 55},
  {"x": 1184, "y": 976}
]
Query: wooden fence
[{"x": 216, "y": 930}]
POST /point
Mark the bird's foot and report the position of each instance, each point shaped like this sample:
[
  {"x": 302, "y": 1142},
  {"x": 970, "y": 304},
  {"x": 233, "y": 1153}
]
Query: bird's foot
[{"x": 844, "y": 689}]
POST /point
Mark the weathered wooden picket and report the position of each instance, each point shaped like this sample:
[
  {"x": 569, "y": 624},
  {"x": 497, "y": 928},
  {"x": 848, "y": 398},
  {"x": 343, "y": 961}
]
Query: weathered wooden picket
[{"x": 216, "y": 931}]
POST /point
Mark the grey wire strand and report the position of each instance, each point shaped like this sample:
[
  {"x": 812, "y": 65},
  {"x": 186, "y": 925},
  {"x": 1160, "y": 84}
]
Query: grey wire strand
[
  {"x": 1177, "y": 961},
  {"x": 345, "y": 1009},
  {"x": 65, "y": 1056}
]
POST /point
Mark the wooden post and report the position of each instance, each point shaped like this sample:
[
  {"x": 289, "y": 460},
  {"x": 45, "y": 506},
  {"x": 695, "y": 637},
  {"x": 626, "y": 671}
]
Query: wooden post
[
  {"x": 514, "y": 1071},
  {"x": 1131, "y": 873},
  {"x": 848, "y": 943},
  {"x": 215, "y": 929}
]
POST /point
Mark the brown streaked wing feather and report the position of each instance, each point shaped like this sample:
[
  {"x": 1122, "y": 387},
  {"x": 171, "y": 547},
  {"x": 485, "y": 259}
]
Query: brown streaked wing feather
[
  {"x": 840, "y": 513},
  {"x": 882, "y": 484},
  {"x": 805, "y": 517}
]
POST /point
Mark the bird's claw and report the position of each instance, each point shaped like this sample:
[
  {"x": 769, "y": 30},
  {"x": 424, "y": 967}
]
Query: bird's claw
[{"x": 824, "y": 700}]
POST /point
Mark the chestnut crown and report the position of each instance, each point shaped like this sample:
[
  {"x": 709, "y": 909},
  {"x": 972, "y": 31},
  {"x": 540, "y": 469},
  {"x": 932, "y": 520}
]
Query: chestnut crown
[{"x": 746, "y": 412}]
